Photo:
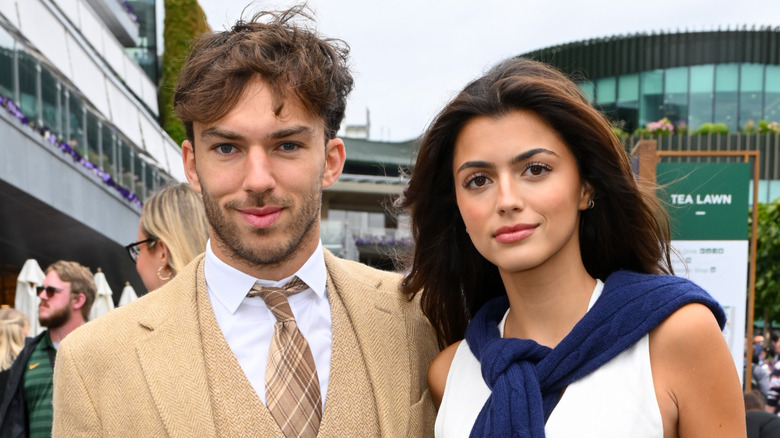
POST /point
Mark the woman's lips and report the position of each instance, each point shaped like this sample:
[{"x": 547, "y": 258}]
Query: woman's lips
[{"x": 514, "y": 233}]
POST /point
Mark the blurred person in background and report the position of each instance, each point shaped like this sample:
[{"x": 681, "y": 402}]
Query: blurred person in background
[
  {"x": 172, "y": 231},
  {"x": 760, "y": 424},
  {"x": 14, "y": 327},
  {"x": 66, "y": 295}
]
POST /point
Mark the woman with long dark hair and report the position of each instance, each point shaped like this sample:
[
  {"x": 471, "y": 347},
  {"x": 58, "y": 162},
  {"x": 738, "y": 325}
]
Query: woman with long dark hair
[{"x": 536, "y": 244}]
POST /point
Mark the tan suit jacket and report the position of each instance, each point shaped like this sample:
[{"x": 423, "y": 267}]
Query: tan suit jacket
[{"x": 140, "y": 370}]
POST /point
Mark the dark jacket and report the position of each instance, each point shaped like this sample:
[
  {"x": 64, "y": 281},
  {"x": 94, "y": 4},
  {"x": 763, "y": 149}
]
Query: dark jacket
[
  {"x": 13, "y": 410},
  {"x": 762, "y": 424}
]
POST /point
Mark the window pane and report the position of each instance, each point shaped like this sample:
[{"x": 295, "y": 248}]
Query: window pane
[
  {"x": 6, "y": 64},
  {"x": 726, "y": 99},
  {"x": 676, "y": 97},
  {"x": 76, "y": 123},
  {"x": 138, "y": 177},
  {"x": 772, "y": 95},
  {"x": 93, "y": 138},
  {"x": 28, "y": 79},
  {"x": 126, "y": 179},
  {"x": 49, "y": 98},
  {"x": 628, "y": 88},
  {"x": 750, "y": 85},
  {"x": 605, "y": 91},
  {"x": 651, "y": 96},
  {"x": 702, "y": 78},
  {"x": 702, "y": 96},
  {"x": 676, "y": 80},
  {"x": 726, "y": 77},
  {"x": 627, "y": 114},
  {"x": 606, "y": 95},
  {"x": 149, "y": 182},
  {"x": 587, "y": 89},
  {"x": 109, "y": 156}
]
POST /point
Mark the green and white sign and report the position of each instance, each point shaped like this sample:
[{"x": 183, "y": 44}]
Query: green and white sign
[
  {"x": 706, "y": 201},
  {"x": 708, "y": 207}
]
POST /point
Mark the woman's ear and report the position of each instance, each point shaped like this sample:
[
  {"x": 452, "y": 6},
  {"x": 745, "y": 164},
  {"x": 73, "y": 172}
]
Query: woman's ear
[
  {"x": 586, "y": 196},
  {"x": 165, "y": 256}
]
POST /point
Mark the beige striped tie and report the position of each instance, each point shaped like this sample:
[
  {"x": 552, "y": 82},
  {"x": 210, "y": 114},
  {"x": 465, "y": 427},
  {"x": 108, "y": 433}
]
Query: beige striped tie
[{"x": 292, "y": 388}]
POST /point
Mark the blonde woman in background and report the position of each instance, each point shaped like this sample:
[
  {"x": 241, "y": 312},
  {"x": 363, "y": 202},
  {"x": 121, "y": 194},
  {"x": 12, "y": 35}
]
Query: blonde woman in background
[
  {"x": 172, "y": 231},
  {"x": 14, "y": 327}
]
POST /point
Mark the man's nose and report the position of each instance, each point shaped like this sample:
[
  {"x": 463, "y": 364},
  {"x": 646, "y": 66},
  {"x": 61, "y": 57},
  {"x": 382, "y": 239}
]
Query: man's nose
[{"x": 259, "y": 176}]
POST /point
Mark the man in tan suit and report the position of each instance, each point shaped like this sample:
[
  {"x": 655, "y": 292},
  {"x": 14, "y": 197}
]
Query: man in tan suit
[{"x": 261, "y": 103}]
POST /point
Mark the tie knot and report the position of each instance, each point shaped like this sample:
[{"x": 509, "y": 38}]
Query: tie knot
[{"x": 276, "y": 297}]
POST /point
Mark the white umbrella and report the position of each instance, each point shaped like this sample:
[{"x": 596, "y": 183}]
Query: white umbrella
[
  {"x": 128, "y": 295},
  {"x": 104, "y": 302},
  {"x": 27, "y": 300}
]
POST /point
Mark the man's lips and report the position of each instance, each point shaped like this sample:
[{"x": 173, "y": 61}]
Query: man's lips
[
  {"x": 260, "y": 217},
  {"x": 514, "y": 233}
]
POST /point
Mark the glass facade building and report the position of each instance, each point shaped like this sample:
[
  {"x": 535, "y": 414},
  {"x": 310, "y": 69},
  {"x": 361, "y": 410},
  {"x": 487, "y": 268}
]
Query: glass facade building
[
  {"x": 692, "y": 78},
  {"x": 47, "y": 98}
]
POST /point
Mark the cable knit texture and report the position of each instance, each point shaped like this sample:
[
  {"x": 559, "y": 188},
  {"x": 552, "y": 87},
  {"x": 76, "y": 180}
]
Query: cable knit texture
[{"x": 526, "y": 378}]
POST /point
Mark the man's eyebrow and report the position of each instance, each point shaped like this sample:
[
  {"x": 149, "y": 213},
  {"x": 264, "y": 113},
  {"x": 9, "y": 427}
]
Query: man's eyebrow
[
  {"x": 287, "y": 132},
  {"x": 215, "y": 131},
  {"x": 218, "y": 132}
]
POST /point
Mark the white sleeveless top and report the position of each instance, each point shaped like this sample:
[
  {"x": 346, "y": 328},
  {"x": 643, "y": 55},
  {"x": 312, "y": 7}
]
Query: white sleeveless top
[{"x": 617, "y": 400}]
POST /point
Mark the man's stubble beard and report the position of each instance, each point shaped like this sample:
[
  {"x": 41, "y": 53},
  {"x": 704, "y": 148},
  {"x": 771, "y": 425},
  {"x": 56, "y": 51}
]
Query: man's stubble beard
[{"x": 230, "y": 242}]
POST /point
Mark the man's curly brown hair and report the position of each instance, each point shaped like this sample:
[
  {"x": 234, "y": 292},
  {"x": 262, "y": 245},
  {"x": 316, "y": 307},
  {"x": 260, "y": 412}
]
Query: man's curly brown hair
[{"x": 277, "y": 47}]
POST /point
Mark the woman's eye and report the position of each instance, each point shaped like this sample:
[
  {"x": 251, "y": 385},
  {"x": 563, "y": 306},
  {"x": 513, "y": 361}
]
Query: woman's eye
[
  {"x": 537, "y": 169},
  {"x": 476, "y": 181}
]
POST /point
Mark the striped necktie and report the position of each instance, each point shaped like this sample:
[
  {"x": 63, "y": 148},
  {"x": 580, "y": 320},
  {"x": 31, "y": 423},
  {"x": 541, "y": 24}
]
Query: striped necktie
[{"x": 292, "y": 388}]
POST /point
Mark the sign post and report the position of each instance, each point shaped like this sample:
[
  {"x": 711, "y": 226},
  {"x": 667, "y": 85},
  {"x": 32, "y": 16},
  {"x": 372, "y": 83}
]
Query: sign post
[{"x": 707, "y": 204}]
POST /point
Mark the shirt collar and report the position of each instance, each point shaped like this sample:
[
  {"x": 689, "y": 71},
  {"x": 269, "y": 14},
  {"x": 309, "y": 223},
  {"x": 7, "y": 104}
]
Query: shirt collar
[{"x": 230, "y": 286}]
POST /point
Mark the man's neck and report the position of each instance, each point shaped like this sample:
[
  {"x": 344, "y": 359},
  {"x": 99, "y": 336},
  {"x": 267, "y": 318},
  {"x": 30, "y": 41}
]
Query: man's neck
[{"x": 59, "y": 333}]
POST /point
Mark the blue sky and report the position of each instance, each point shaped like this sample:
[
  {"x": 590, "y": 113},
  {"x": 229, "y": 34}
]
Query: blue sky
[{"x": 411, "y": 56}]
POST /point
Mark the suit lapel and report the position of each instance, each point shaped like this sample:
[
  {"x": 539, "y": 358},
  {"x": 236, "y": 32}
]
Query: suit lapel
[
  {"x": 171, "y": 356},
  {"x": 379, "y": 325}
]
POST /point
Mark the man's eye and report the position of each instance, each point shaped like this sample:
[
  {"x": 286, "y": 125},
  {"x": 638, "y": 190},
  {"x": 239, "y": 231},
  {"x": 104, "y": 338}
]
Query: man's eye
[
  {"x": 289, "y": 147},
  {"x": 225, "y": 148}
]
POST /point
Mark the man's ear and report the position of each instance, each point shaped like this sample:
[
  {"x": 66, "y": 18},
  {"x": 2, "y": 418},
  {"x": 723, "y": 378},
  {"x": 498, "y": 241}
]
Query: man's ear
[
  {"x": 335, "y": 156},
  {"x": 188, "y": 159},
  {"x": 78, "y": 300}
]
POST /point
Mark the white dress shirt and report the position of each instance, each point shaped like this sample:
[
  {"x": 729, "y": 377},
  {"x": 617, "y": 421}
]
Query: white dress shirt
[{"x": 248, "y": 324}]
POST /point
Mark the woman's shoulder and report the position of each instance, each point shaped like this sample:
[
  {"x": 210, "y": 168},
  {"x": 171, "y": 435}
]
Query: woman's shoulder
[{"x": 694, "y": 374}]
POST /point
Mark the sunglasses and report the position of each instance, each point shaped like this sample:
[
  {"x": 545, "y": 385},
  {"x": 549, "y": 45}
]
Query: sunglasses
[
  {"x": 50, "y": 290},
  {"x": 133, "y": 249}
]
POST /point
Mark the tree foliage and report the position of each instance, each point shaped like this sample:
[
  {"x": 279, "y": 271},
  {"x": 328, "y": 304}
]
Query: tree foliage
[
  {"x": 184, "y": 20},
  {"x": 767, "y": 302}
]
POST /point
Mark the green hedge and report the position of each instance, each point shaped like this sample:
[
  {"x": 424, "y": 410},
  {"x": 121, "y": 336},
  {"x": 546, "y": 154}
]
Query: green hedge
[{"x": 184, "y": 20}]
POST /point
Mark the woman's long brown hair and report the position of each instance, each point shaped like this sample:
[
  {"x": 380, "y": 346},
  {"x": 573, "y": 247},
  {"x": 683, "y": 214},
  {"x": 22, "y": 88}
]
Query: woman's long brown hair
[{"x": 627, "y": 228}]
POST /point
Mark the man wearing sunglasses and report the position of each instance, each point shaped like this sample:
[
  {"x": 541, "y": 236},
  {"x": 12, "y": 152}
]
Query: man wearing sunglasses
[{"x": 66, "y": 298}]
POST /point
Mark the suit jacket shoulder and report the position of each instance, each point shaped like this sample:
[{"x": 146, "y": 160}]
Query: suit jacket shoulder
[
  {"x": 138, "y": 366},
  {"x": 397, "y": 342}
]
